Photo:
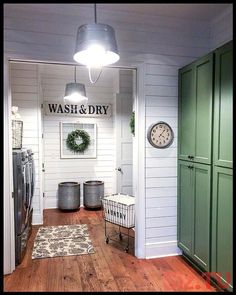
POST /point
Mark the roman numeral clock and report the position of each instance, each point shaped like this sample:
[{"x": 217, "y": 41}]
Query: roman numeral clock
[{"x": 160, "y": 135}]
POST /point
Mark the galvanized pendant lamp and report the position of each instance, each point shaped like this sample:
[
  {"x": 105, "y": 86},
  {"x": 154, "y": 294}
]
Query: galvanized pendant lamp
[
  {"x": 75, "y": 92},
  {"x": 96, "y": 45}
]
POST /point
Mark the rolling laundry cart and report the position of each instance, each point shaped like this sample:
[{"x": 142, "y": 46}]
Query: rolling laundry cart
[{"x": 119, "y": 209}]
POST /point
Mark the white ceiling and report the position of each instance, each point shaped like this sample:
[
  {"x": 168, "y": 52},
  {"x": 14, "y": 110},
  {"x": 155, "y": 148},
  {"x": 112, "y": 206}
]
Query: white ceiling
[
  {"x": 204, "y": 12},
  {"x": 193, "y": 11}
]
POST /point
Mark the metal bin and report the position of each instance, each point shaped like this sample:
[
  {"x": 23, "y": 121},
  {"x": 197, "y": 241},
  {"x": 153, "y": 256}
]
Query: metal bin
[
  {"x": 68, "y": 195},
  {"x": 93, "y": 192}
]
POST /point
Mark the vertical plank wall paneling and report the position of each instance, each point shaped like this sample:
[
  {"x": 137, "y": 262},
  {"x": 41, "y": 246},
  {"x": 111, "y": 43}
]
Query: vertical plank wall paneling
[
  {"x": 25, "y": 95},
  {"x": 164, "y": 44},
  {"x": 54, "y": 79}
]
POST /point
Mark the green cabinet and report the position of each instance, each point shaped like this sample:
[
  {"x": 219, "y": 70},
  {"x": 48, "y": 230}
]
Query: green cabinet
[
  {"x": 223, "y": 108},
  {"x": 194, "y": 192},
  {"x": 222, "y": 225},
  {"x": 187, "y": 105},
  {"x": 205, "y": 145},
  {"x": 195, "y": 110},
  {"x": 185, "y": 206}
]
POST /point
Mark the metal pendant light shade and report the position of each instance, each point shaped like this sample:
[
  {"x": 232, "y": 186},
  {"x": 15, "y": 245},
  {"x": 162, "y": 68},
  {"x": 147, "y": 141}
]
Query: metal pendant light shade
[
  {"x": 75, "y": 92},
  {"x": 96, "y": 45}
]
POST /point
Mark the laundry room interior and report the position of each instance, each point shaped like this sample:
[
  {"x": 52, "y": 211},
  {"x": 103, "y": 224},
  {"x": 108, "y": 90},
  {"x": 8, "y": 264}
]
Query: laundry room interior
[{"x": 34, "y": 86}]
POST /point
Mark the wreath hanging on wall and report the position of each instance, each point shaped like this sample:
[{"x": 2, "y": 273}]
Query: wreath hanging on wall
[
  {"x": 132, "y": 123},
  {"x": 72, "y": 144}
]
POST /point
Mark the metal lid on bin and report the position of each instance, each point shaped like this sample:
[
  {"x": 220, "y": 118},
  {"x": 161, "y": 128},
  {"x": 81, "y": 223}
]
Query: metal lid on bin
[
  {"x": 68, "y": 183},
  {"x": 93, "y": 182}
]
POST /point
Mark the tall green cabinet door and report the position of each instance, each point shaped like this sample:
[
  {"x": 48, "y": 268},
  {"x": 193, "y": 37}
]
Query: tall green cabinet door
[
  {"x": 223, "y": 111},
  {"x": 186, "y": 129},
  {"x": 185, "y": 205},
  {"x": 222, "y": 225},
  {"x": 201, "y": 215},
  {"x": 204, "y": 105}
]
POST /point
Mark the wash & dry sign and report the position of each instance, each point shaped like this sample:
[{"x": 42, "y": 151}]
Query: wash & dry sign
[{"x": 79, "y": 110}]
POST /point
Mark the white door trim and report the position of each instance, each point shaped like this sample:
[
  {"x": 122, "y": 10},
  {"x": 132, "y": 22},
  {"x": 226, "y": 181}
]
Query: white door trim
[
  {"x": 139, "y": 163},
  {"x": 8, "y": 205}
]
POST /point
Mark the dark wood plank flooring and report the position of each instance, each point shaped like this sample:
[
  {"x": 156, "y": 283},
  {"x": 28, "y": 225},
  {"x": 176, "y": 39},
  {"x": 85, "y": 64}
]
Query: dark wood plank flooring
[{"x": 110, "y": 268}]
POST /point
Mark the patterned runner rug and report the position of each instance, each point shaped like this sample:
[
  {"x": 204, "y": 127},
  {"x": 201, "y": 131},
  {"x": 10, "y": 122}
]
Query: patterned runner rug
[{"x": 62, "y": 240}]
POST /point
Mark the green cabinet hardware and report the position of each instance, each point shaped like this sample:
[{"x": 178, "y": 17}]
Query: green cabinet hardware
[
  {"x": 222, "y": 225},
  {"x": 223, "y": 109},
  {"x": 195, "y": 110},
  {"x": 194, "y": 211}
]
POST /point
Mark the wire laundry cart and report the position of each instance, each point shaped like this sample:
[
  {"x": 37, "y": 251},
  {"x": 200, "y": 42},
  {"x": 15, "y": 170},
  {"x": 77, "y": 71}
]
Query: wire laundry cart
[{"x": 119, "y": 209}]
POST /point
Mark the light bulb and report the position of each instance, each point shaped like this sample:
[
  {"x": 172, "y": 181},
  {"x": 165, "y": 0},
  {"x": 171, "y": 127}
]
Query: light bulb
[
  {"x": 75, "y": 97},
  {"x": 95, "y": 56}
]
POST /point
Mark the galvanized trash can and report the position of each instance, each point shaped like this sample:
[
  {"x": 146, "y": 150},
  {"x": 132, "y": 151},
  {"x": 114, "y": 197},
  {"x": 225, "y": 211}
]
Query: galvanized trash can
[
  {"x": 69, "y": 195},
  {"x": 93, "y": 192}
]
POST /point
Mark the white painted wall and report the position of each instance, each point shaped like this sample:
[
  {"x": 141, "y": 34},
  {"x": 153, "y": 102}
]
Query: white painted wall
[
  {"x": 8, "y": 201},
  {"x": 53, "y": 81},
  {"x": 222, "y": 28},
  {"x": 25, "y": 95},
  {"x": 163, "y": 44}
]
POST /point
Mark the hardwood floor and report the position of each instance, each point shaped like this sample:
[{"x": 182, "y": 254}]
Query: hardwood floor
[{"x": 110, "y": 268}]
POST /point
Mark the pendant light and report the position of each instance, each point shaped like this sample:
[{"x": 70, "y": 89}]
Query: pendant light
[
  {"x": 96, "y": 46},
  {"x": 75, "y": 92}
]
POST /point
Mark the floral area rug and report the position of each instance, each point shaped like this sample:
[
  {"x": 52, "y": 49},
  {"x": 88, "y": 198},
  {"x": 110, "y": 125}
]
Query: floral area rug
[{"x": 62, "y": 240}]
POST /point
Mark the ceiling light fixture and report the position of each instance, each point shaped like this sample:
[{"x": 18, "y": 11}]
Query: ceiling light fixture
[
  {"x": 75, "y": 92},
  {"x": 96, "y": 46}
]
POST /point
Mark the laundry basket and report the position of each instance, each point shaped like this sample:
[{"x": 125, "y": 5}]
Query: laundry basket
[{"x": 119, "y": 209}]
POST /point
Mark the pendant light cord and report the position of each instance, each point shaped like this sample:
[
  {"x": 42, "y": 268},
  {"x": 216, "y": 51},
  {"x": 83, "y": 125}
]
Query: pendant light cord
[
  {"x": 90, "y": 77},
  {"x": 75, "y": 74},
  {"x": 95, "y": 13},
  {"x": 89, "y": 68}
]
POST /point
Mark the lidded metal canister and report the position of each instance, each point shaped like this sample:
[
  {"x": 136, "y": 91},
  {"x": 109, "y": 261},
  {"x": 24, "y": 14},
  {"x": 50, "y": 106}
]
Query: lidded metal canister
[
  {"x": 68, "y": 195},
  {"x": 93, "y": 191}
]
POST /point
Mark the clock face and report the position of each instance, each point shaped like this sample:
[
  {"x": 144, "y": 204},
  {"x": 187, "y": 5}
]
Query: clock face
[{"x": 160, "y": 135}]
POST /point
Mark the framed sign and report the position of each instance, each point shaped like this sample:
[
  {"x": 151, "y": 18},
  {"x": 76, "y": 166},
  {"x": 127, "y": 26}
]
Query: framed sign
[{"x": 78, "y": 140}]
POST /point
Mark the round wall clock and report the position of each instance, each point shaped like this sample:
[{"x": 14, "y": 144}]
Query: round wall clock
[{"x": 160, "y": 135}]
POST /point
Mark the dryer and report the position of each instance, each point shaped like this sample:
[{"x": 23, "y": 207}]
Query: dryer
[{"x": 23, "y": 186}]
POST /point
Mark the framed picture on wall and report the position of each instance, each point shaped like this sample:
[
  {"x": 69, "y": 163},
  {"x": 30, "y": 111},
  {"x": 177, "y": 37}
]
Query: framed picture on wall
[{"x": 78, "y": 140}]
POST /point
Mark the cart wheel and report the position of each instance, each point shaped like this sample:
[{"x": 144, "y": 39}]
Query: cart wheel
[
  {"x": 120, "y": 236},
  {"x": 126, "y": 249},
  {"x": 107, "y": 240}
]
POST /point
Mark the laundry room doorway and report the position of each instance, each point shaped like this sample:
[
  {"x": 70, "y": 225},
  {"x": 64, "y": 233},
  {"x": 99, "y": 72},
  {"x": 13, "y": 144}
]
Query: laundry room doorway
[{"x": 108, "y": 111}]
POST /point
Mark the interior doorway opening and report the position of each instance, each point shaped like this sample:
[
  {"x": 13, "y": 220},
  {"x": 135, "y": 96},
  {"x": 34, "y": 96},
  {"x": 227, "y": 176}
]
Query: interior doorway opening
[{"x": 33, "y": 85}]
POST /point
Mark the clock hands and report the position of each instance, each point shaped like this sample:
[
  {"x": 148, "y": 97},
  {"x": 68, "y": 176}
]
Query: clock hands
[{"x": 161, "y": 133}]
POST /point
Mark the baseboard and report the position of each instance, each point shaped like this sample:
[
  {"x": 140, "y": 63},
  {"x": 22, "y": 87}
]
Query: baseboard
[
  {"x": 37, "y": 218},
  {"x": 163, "y": 249},
  {"x": 52, "y": 203}
]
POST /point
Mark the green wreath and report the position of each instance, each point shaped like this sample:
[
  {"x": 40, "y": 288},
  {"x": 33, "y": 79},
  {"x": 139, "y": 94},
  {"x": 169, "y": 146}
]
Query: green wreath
[
  {"x": 132, "y": 123},
  {"x": 71, "y": 141}
]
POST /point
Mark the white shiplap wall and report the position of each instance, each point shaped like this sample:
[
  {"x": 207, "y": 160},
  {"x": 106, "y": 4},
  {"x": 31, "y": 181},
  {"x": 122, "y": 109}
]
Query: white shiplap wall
[
  {"x": 161, "y": 164},
  {"x": 222, "y": 28},
  {"x": 25, "y": 95},
  {"x": 53, "y": 81},
  {"x": 163, "y": 44}
]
